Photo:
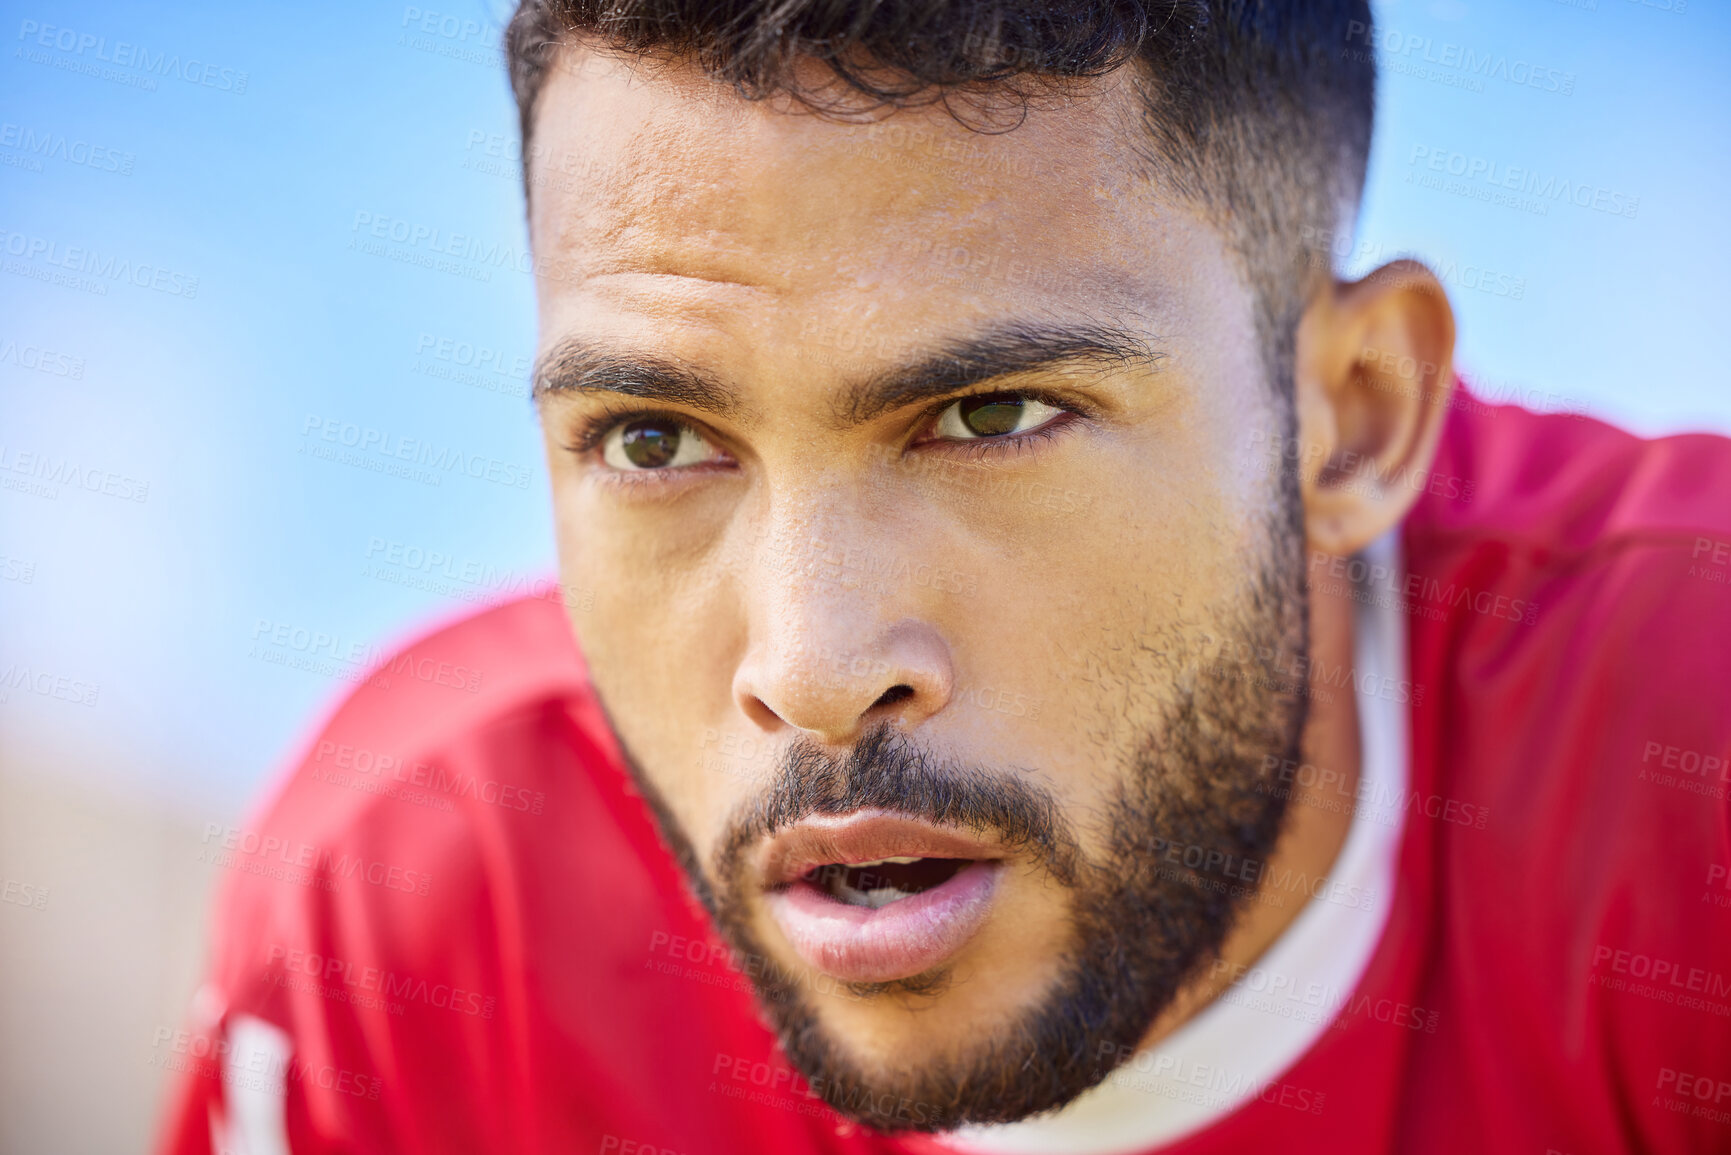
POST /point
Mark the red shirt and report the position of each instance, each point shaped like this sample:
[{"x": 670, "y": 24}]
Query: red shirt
[{"x": 461, "y": 914}]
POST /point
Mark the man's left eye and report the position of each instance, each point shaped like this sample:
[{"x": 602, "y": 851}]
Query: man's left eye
[{"x": 994, "y": 415}]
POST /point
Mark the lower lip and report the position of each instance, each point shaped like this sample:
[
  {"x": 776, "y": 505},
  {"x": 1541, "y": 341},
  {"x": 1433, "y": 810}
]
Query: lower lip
[{"x": 858, "y": 944}]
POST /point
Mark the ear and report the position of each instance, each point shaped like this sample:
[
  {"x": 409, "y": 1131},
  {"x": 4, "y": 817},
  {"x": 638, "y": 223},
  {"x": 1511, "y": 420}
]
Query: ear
[{"x": 1373, "y": 375}]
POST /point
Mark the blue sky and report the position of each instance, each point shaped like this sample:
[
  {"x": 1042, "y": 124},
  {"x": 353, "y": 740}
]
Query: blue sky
[{"x": 234, "y": 161}]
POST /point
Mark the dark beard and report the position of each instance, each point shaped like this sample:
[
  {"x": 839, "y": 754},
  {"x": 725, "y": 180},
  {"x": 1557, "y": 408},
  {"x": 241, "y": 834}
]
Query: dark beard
[{"x": 1201, "y": 781}]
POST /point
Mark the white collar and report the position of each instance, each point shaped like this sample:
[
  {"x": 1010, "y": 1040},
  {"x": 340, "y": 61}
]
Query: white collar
[{"x": 1238, "y": 1046}]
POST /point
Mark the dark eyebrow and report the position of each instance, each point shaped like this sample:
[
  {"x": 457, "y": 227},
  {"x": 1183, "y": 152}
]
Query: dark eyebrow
[
  {"x": 576, "y": 365},
  {"x": 1003, "y": 351},
  {"x": 582, "y": 366}
]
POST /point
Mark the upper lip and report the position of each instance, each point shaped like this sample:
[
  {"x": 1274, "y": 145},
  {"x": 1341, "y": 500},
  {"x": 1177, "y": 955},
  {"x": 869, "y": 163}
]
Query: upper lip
[{"x": 865, "y": 836}]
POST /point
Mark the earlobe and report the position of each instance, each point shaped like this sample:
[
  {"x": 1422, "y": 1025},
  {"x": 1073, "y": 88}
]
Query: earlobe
[{"x": 1373, "y": 376}]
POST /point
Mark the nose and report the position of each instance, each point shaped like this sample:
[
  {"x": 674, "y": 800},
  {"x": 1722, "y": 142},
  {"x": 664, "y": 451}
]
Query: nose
[{"x": 830, "y": 668}]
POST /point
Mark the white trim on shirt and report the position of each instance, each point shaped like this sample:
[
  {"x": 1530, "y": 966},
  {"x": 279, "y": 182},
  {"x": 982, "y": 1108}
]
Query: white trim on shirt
[{"x": 254, "y": 1089}]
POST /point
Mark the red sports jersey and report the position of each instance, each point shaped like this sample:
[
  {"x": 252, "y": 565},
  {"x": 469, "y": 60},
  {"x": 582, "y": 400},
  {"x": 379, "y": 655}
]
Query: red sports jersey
[{"x": 460, "y": 916}]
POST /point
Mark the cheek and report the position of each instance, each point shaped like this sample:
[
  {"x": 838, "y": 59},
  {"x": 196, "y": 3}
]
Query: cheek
[
  {"x": 1162, "y": 532},
  {"x": 660, "y": 648},
  {"x": 1120, "y": 596}
]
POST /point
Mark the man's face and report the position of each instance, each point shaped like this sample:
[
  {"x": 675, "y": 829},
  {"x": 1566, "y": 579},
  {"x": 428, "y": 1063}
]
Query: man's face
[{"x": 920, "y": 480}]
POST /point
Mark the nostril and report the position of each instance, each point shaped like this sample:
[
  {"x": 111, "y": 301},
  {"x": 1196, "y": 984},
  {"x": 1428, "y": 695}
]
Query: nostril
[
  {"x": 759, "y": 712},
  {"x": 893, "y": 695}
]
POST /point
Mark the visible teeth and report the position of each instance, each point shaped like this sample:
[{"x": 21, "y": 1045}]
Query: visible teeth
[
  {"x": 834, "y": 879},
  {"x": 876, "y": 898}
]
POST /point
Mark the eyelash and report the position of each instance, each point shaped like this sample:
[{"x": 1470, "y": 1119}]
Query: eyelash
[{"x": 591, "y": 432}]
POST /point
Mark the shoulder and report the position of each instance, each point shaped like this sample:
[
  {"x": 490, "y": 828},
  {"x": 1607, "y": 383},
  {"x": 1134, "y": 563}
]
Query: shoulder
[
  {"x": 1576, "y": 585},
  {"x": 463, "y": 674},
  {"x": 455, "y": 850},
  {"x": 1590, "y": 727},
  {"x": 470, "y": 737},
  {"x": 444, "y": 692},
  {"x": 1572, "y": 601},
  {"x": 1565, "y": 483},
  {"x": 1570, "y": 610}
]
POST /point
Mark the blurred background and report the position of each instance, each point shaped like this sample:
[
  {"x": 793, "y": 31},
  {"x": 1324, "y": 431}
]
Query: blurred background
[{"x": 193, "y": 293}]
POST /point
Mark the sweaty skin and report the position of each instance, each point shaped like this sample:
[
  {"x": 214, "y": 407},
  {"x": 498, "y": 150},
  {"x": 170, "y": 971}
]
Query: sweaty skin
[{"x": 807, "y": 562}]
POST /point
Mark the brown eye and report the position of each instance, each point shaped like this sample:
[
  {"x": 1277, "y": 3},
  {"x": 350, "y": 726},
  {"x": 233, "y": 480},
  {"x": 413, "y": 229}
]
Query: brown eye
[
  {"x": 994, "y": 415},
  {"x": 991, "y": 416},
  {"x": 654, "y": 443},
  {"x": 650, "y": 444}
]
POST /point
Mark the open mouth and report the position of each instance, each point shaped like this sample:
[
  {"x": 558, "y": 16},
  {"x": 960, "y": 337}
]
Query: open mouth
[
  {"x": 874, "y": 896},
  {"x": 877, "y": 884}
]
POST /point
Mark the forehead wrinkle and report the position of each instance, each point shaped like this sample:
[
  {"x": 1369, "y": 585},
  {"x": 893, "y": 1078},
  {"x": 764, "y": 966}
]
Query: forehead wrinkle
[
  {"x": 643, "y": 233},
  {"x": 724, "y": 218},
  {"x": 725, "y": 183},
  {"x": 718, "y": 202},
  {"x": 652, "y": 197}
]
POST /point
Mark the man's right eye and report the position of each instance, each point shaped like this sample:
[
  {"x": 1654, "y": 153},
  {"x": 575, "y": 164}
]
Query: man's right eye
[{"x": 648, "y": 443}]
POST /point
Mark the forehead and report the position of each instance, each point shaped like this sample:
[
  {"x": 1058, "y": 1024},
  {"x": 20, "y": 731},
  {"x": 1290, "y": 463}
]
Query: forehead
[{"x": 661, "y": 200}]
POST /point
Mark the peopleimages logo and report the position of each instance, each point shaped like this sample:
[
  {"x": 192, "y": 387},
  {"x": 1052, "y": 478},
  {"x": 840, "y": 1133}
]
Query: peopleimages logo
[
  {"x": 317, "y": 650},
  {"x": 1545, "y": 189},
  {"x": 1328, "y": 246},
  {"x": 346, "y": 761},
  {"x": 231, "y": 845},
  {"x": 452, "y": 36},
  {"x": 1275, "y": 992},
  {"x": 387, "y": 452},
  {"x": 1393, "y": 45},
  {"x": 380, "y": 981},
  {"x": 40, "y": 359},
  {"x": 49, "y": 472},
  {"x": 442, "y": 242},
  {"x": 1174, "y": 1077},
  {"x": 208, "y": 1056},
  {"x": 48, "y": 684},
  {"x": 51, "y": 146},
  {"x": 85, "y": 47},
  {"x": 24, "y": 894},
  {"x": 80, "y": 259}
]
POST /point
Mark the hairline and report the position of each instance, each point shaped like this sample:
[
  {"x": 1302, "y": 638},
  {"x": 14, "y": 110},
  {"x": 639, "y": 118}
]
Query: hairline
[{"x": 1278, "y": 296}]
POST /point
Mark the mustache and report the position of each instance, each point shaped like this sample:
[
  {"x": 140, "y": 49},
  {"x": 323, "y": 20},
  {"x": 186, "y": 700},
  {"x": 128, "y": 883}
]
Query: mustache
[{"x": 886, "y": 770}]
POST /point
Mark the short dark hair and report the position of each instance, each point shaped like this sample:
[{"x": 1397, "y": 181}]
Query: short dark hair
[{"x": 1259, "y": 111}]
